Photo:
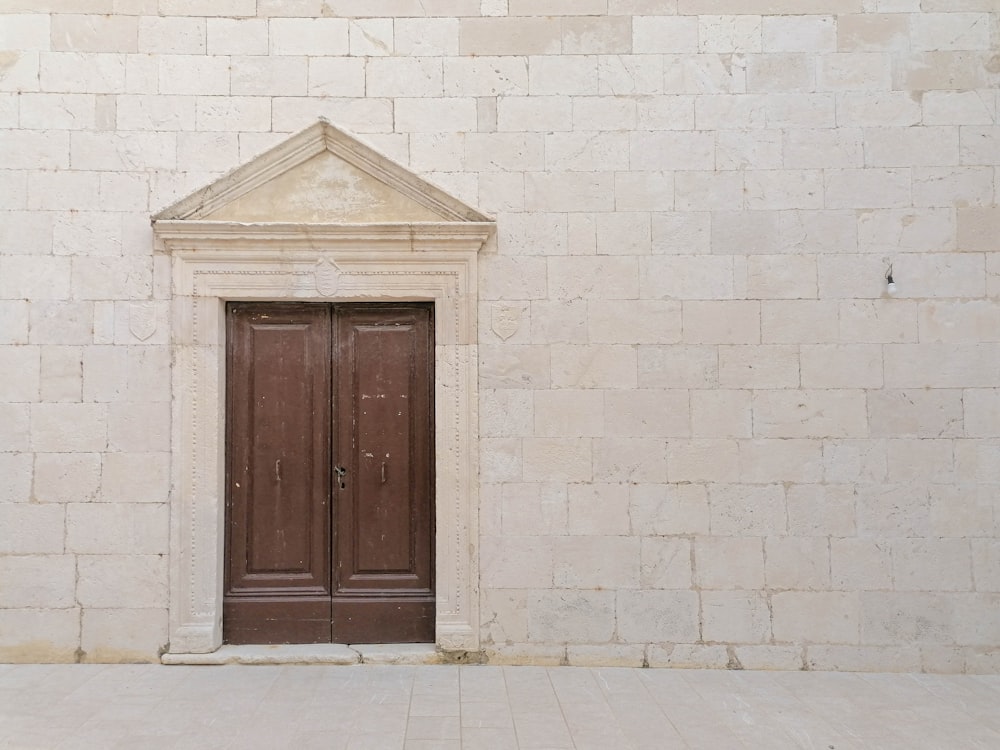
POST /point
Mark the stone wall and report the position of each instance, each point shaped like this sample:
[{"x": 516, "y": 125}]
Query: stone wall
[{"x": 709, "y": 436}]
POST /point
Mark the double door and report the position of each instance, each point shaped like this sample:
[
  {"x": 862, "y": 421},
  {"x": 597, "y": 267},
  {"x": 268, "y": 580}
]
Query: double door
[{"x": 329, "y": 473}]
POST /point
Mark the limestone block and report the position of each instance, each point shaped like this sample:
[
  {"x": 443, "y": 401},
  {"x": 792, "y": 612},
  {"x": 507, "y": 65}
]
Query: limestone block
[
  {"x": 532, "y": 233},
  {"x": 977, "y": 619},
  {"x": 64, "y": 190},
  {"x": 95, "y": 73},
  {"x": 867, "y": 188},
  {"x": 818, "y": 616},
  {"x": 170, "y": 35},
  {"x": 986, "y": 564},
  {"x": 510, "y": 36},
  {"x": 893, "y": 510},
  {"x": 647, "y": 413},
  {"x": 574, "y": 75},
  {"x": 863, "y": 658},
  {"x": 841, "y": 365},
  {"x": 808, "y": 148},
  {"x": 513, "y": 366},
  {"x": 567, "y": 616},
  {"x": 14, "y": 430},
  {"x": 105, "y": 581},
  {"x": 668, "y": 509},
  {"x": 854, "y": 71},
  {"x": 490, "y": 506},
  {"x": 931, "y": 565},
  {"x": 148, "y": 371},
  {"x": 135, "y": 477},
  {"x": 622, "y": 75},
  {"x": 308, "y": 36},
  {"x": 106, "y": 278},
  {"x": 13, "y": 322},
  {"x": 506, "y": 277},
  {"x": 27, "y": 31},
  {"x": 785, "y": 189},
  {"x": 569, "y": 191},
  {"x": 729, "y": 33},
  {"x": 237, "y": 36},
  {"x": 558, "y": 459},
  {"x": 770, "y": 657},
  {"x": 708, "y": 191},
  {"x": 695, "y": 277},
  {"x": 38, "y": 581},
  {"x": 31, "y": 529},
  {"x": 702, "y": 460},
  {"x": 258, "y": 75},
  {"x": 942, "y": 365},
  {"x": 820, "y": 509},
  {"x": 35, "y": 278},
  {"x": 671, "y": 112},
  {"x": 978, "y": 460},
  {"x": 762, "y": 366},
  {"x": 915, "y": 146},
  {"x": 594, "y": 366},
  {"x": 962, "y": 510},
  {"x": 688, "y": 656},
  {"x": 534, "y": 113},
  {"x": 500, "y": 459},
  {"x": 812, "y": 33},
  {"x": 658, "y": 616},
  {"x": 810, "y": 413},
  {"x": 371, "y": 36},
  {"x": 948, "y": 186},
  {"x": 596, "y": 562},
  {"x": 860, "y": 564},
  {"x": 15, "y": 477},
  {"x": 854, "y": 461},
  {"x": 727, "y": 111},
  {"x": 665, "y": 563},
  {"x": 636, "y": 322},
  {"x": 234, "y": 113},
  {"x": 568, "y": 413},
  {"x": 596, "y": 509},
  {"x": 678, "y": 367},
  {"x": 105, "y": 373},
  {"x": 632, "y": 460},
  {"x": 873, "y": 32},
  {"x": 88, "y": 234},
  {"x": 798, "y": 321},
  {"x": 536, "y": 508},
  {"x": 581, "y": 234},
  {"x": 623, "y": 233},
  {"x": 728, "y": 563},
  {"x": 559, "y": 321},
  {"x": 66, "y": 477},
  {"x": 722, "y": 322},
  {"x": 672, "y": 151},
  {"x": 55, "y": 635},
  {"x": 877, "y": 109},
  {"x": 980, "y": 145},
  {"x": 124, "y": 152},
  {"x": 505, "y": 413},
  {"x": 735, "y": 617},
  {"x": 801, "y": 563},
  {"x": 659, "y": 34},
  {"x": 504, "y": 614},
  {"x": 516, "y": 654},
  {"x": 919, "y": 230},
  {"x": 117, "y": 528},
  {"x": 950, "y": 31},
  {"x": 878, "y": 321},
  {"x": 960, "y": 108},
  {"x": 22, "y": 365},
  {"x": 720, "y": 414},
  {"x": 220, "y": 8},
  {"x": 741, "y": 509},
  {"x": 426, "y": 37},
  {"x": 605, "y": 655},
  {"x": 765, "y": 461},
  {"x": 137, "y": 426},
  {"x": 123, "y": 635},
  {"x": 951, "y": 70},
  {"x": 492, "y": 152},
  {"x": 798, "y": 110},
  {"x": 756, "y": 150},
  {"x": 602, "y": 113},
  {"x": 500, "y": 192},
  {"x": 487, "y": 76},
  {"x": 785, "y": 72},
  {"x": 907, "y": 618},
  {"x": 921, "y": 459},
  {"x": 59, "y": 428},
  {"x": 977, "y": 228}
]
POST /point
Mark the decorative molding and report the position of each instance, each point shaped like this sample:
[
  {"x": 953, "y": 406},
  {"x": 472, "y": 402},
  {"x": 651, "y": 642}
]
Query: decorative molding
[{"x": 214, "y": 262}]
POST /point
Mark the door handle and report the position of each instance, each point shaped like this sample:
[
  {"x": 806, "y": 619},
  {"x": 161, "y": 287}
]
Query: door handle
[
  {"x": 383, "y": 472},
  {"x": 341, "y": 472}
]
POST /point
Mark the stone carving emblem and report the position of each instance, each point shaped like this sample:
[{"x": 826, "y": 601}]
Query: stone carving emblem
[
  {"x": 506, "y": 320},
  {"x": 142, "y": 319},
  {"x": 327, "y": 277}
]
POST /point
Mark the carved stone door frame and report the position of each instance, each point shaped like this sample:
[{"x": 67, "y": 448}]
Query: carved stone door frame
[{"x": 213, "y": 262}]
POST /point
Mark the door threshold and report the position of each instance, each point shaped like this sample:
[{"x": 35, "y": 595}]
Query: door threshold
[{"x": 313, "y": 653}]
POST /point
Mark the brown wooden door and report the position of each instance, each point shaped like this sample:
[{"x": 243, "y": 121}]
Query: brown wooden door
[{"x": 329, "y": 532}]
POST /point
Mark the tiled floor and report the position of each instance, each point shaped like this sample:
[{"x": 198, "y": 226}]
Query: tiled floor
[{"x": 150, "y": 707}]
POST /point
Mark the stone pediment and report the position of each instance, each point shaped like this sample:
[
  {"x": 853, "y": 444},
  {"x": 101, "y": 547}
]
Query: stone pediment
[{"x": 321, "y": 175}]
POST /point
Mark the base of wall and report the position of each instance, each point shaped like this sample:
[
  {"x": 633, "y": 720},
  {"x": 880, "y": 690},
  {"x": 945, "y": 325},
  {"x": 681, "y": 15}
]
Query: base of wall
[{"x": 322, "y": 653}]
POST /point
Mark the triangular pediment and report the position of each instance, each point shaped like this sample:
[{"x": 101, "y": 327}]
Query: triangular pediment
[{"x": 321, "y": 175}]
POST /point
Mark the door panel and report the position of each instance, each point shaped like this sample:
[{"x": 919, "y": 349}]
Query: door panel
[
  {"x": 383, "y": 565},
  {"x": 278, "y": 531},
  {"x": 329, "y": 473}
]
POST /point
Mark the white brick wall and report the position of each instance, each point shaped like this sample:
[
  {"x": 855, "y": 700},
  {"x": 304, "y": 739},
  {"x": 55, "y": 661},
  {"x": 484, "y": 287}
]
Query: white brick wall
[{"x": 714, "y": 438}]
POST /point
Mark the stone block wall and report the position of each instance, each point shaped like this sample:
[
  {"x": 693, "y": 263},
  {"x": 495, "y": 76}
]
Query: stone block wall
[{"x": 709, "y": 436}]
